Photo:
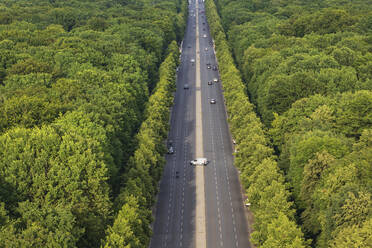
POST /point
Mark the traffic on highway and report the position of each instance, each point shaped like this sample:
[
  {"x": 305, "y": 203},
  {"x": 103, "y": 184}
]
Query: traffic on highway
[{"x": 199, "y": 203}]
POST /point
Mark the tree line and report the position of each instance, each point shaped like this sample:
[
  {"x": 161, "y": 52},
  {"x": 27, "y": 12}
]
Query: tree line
[
  {"x": 306, "y": 67},
  {"x": 131, "y": 226},
  {"x": 264, "y": 183},
  {"x": 79, "y": 81}
]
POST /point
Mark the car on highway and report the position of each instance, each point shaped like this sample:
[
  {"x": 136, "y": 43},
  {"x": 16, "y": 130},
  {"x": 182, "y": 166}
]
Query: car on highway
[
  {"x": 170, "y": 150},
  {"x": 213, "y": 101},
  {"x": 210, "y": 82},
  {"x": 192, "y": 60},
  {"x": 205, "y": 36},
  {"x": 186, "y": 86},
  {"x": 215, "y": 68},
  {"x": 215, "y": 80},
  {"x": 199, "y": 161},
  {"x": 206, "y": 49},
  {"x": 189, "y": 46},
  {"x": 209, "y": 67}
]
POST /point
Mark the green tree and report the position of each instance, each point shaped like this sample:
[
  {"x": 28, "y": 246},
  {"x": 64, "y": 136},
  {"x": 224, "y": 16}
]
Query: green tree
[
  {"x": 354, "y": 236},
  {"x": 127, "y": 229},
  {"x": 284, "y": 233}
]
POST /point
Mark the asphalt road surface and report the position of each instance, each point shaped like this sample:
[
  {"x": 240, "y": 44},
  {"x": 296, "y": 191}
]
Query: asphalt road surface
[{"x": 226, "y": 224}]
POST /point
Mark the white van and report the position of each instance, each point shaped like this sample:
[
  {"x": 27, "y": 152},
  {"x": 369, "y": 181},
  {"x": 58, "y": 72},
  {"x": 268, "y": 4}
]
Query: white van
[{"x": 199, "y": 161}]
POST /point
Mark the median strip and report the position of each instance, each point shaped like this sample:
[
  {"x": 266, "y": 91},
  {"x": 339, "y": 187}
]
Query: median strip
[{"x": 200, "y": 236}]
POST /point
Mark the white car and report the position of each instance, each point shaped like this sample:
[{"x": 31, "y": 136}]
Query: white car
[
  {"x": 170, "y": 150},
  {"x": 205, "y": 36},
  {"x": 215, "y": 80},
  {"x": 199, "y": 161},
  {"x": 192, "y": 60}
]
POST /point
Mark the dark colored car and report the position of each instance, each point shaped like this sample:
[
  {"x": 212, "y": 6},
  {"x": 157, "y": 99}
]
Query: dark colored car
[
  {"x": 186, "y": 87},
  {"x": 215, "y": 68},
  {"x": 210, "y": 82}
]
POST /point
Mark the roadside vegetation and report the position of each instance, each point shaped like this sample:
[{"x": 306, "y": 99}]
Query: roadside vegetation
[
  {"x": 261, "y": 177},
  {"x": 85, "y": 91},
  {"x": 140, "y": 180},
  {"x": 307, "y": 68}
]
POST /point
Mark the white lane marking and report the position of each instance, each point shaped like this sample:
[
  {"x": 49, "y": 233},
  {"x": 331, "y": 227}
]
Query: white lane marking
[
  {"x": 215, "y": 178},
  {"x": 172, "y": 183},
  {"x": 184, "y": 174},
  {"x": 226, "y": 173},
  {"x": 228, "y": 184}
]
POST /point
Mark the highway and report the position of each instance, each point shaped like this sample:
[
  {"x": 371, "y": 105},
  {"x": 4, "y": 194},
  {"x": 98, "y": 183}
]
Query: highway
[{"x": 175, "y": 214}]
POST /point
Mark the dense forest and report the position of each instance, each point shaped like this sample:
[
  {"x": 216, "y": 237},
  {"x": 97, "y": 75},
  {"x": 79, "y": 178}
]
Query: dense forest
[
  {"x": 85, "y": 92},
  {"x": 307, "y": 68}
]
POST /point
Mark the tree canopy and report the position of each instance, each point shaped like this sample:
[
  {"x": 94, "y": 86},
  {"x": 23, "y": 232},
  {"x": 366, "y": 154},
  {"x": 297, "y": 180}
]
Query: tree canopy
[{"x": 85, "y": 92}]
